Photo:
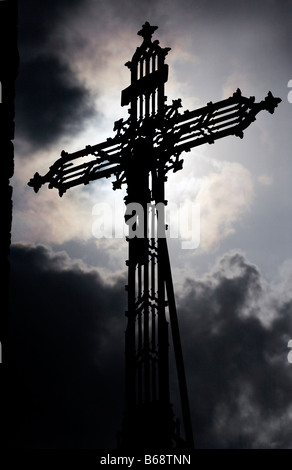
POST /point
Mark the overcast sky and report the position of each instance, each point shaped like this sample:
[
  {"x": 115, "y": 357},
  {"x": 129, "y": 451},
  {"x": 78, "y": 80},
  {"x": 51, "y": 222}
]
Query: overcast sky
[{"x": 233, "y": 291}]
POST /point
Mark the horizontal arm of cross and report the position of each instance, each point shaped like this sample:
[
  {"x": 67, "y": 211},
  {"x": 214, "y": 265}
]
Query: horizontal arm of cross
[
  {"x": 216, "y": 120},
  {"x": 73, "y": 169}
]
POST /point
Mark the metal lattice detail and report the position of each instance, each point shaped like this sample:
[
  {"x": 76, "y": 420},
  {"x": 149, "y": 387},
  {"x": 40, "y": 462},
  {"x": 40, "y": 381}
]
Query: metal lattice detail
[{"x": 169, "y": 137}]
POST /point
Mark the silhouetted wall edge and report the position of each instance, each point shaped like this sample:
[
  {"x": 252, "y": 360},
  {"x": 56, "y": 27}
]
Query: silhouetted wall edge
[{"x": 9, "y": 62}]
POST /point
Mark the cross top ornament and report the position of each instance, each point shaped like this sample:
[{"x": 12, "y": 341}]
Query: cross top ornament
[
  {"x": 145, "y": 147},
  {"x": 147, "y": 31}
]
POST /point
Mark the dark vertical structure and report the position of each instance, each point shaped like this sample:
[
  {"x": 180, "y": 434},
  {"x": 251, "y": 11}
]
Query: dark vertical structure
[
  {"x": 145, "y": 148},
  {"x": 149, "y": 419},
  {"x": 8, "y": 74}
]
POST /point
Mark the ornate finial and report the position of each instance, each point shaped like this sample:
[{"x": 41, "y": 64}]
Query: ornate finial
[
  {"x": 147, "y": 31},
  {"x": 36, "y": 182},
  {"x": 271, "y": 102}
]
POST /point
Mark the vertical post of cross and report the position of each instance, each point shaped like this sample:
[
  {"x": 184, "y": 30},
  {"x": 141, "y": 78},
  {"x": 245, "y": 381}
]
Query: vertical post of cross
[{"x": 148, "y": 406}]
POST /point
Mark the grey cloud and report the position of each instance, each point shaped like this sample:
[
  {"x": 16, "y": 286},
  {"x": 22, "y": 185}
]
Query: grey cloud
[
  {"x": 240, "y": 381},
  {"x": 88, "y": 252}
]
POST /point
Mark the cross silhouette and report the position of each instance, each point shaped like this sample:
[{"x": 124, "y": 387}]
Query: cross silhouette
[{"x": 144, "y": 149}]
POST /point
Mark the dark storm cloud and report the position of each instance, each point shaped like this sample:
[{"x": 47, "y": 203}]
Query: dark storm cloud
[
  {"x": 240, "y": 379},
  {"x": 50, "y": 101},
  {"x": 38, "y": 19},
  {"x": 88, "y": 251},
  {"x": 67, "y": 337}
]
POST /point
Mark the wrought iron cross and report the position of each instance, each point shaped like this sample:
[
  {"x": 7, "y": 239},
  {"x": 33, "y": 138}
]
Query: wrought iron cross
[{"x": 144, "y": 149}]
